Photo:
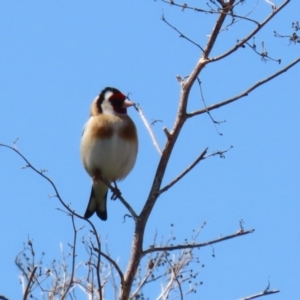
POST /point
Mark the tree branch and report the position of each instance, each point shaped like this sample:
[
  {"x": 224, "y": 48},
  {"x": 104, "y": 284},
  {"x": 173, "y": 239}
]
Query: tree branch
[
  {"x": 245, "y": 93},
  {"x": 188, "y": 7},
  {"x": 212, "y": 11},
  {"x": 73, "y": 259},
  {"x": 137, "y": 246},
  {"x": 164, "y": 294},
  {"x": 264, "y": 293},
  {"x": 148, "y": 127},
  {"x": 175, "y": 180},
  {"x": 41, "y": 173},
  {"x": 118, "y": 195},
  {"x": 258, "y": 28},
  {"x": 209, "y": 114},
  {"x": 114, "y": 264},
  {"x": 198, "y": 245},
  {"x": 144, "y": 281},
  {"x": 30, "y": 281},
  {"x": 263, "y": 54},
  {"x": 180, "y": 33},
  {"x": 174, "y": 271}
]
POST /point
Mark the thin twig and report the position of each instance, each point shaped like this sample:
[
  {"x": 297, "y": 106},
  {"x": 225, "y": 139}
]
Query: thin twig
[
  {"x": 145, "y": 278},
  {"x": 188, "y": 7},
  {"x": 294, "y": 38},
  {"x": 263, "y": 54},
  {"x": 175, "y": 180},
  {"x": 264, "y": 293},
  {"x": 41, "y": 173},
  {"x": 73, "y": 258},
  {"x": 112, "y": 277},
  {"x": 127, "y": 205},
  {"x": 114, "y": 264},
  {"x": 272, "y": 4},
  {"x": 218, "y": 153},
  {"x": 166, "y": 289},
  {"x": 204, "y": 59},
  {"x": 180, "y": 33},
  {"x": 28, "y": 287},
  {"x": 175, "y": 277},
  {"x": 199, "y": 245},
  {"x": 119, "y": 196},
  {"x": 209, "y": 114},
  {"x": 148, "y": 127},
  {"x": 258, "y": 28},
  {"x": 213, "y": 11},
  {"x": 245, "y": 93}
]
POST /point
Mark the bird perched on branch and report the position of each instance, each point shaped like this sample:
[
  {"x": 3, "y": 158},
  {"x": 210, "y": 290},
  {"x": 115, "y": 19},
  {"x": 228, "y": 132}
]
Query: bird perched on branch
[{"x": 109, "y": 146}]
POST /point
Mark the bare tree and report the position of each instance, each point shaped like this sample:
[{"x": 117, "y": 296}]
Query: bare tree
[{"x": 163, "y": 261}]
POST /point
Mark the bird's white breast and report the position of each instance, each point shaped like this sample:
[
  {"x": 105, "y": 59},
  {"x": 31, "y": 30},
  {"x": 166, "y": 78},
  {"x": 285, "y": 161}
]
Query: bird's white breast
[{"x": 114, "y": 156}]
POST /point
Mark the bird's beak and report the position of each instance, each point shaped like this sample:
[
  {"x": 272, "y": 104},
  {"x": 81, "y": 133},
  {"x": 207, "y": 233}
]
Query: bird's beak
[{"x": 127, "y": 103}]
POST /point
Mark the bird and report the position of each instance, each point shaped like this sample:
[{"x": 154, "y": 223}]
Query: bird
[{"x": 109, "y": 146}]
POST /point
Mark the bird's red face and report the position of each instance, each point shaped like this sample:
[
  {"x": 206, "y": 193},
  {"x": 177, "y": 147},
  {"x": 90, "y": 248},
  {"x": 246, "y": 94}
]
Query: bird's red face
[
  {"x": 119, "y": 103},
  {"x": 112, "y": 101}
]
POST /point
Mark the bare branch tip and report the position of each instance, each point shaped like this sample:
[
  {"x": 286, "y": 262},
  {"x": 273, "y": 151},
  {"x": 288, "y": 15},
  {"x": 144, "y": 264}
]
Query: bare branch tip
[
  {"x": 180, "y": 79},
  {"x": 15, "y": 143},
  {"x": 126, "y": 215},
  {"x": 166, "y": 131},
  {"x": 137, "y": 106}
]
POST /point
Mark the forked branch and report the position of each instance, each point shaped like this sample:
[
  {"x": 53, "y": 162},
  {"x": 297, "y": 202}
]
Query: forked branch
[
  {"x": 251, "y": 34},
  {"x": 137, "y": 248}
]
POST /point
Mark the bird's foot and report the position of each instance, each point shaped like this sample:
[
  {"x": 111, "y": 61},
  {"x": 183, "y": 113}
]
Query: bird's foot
[{"x": 115, "y": 192}]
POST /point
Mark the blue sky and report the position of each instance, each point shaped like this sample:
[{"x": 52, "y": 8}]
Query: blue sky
[{"x": 56, "y": 57}]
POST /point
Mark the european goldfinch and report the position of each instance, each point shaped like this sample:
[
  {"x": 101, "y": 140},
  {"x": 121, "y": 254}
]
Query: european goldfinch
[{"x": 109, "y": 146}]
